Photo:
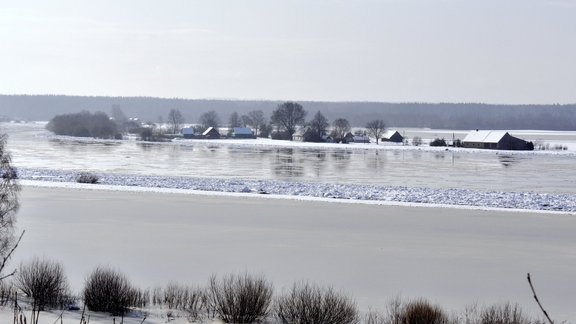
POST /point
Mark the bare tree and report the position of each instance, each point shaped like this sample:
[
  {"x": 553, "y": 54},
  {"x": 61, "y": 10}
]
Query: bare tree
[
  {"x": 234, "y": 120},
  {"x": 245, "y": 121},
  {"x": 45, "y": 283},
  {"x": 376, "y": 128},
  {"x": 341, "y": 127},
  {"x": 209, "y": 119},
  {"x": 9, "y": 191},
  {"x": 257, "y": 120},
  {"x": 119, "y": 118},
  {"x": 317, "y": 128},
  {"x": 175, "y": 119},
  {"x": 288, "y": 116}
]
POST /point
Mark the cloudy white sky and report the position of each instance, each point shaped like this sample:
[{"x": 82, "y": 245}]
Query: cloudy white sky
[{"x": 494, "y": 51}]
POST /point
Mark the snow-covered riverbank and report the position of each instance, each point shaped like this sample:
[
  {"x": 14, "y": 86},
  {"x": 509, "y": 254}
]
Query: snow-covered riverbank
[{"x": 462, "y": 198}]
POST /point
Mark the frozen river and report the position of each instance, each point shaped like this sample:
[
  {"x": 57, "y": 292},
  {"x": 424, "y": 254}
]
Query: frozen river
[
  {"x": 452, "y": 257},
  {"x": 32, "y": 147}
]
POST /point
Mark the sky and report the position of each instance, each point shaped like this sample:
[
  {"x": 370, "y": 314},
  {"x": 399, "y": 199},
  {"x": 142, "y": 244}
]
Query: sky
[{"x": 489, "y": 51}]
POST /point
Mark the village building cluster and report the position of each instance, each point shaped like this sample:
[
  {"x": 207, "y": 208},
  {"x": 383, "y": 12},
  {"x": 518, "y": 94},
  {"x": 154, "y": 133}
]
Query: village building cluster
[{"x": 476, "y": 139}]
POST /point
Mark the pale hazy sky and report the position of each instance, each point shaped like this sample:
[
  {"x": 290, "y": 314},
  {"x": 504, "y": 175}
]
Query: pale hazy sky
[{"x": 494, "y": 51}]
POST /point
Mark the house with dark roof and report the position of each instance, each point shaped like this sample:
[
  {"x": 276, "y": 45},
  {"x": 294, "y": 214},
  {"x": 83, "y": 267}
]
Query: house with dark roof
[
  {"x": 392, "y": 136},
  {"x": 242, "y": 132},
  {"x": 211, "y": 133},
  {"x": 351, "y": 138},
  {"x": 495, "y": 140},
  {"x": 188, "y": 132}
]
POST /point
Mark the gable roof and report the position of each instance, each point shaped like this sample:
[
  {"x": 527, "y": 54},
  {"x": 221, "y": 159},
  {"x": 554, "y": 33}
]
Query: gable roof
[
  {"x": 479, "y": 136},
  {"x": 361, "y": 138},
  {"x": 188, "y": 131},
  {"x": 390, "y": 133},
  {"x": 242, "y": 131},
  {"x": 210, "y": 130}
]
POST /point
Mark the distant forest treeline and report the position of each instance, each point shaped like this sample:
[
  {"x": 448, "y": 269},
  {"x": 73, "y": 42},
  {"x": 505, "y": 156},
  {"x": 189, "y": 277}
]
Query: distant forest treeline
[{"x": 432, "y": 115}]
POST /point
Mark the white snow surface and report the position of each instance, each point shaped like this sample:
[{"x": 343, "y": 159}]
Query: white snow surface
[{"x": 395, "y": 195}]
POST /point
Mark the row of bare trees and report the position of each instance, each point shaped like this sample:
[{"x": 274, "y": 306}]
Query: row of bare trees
[
  {"x": 285, "y": 119},
  {"x": 288, "y": 116}
]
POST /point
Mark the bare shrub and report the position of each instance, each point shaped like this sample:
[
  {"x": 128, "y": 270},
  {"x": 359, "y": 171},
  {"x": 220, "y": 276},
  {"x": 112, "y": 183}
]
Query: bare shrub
[
  {"x": 139, "y": 298},
  {"x": 5, "y": 292},
  {"x": 175, "y": 296},
  {"x": 422, "y": 312},
  {"x": 87, "y": 177},
  {"x": 109, "y": 291},
  {"x": 438, "y": 142},
  {"x": 392, "y": 315},
  {"x": 417, "y": 141},
  {"x": 504, "y": 314},
  {"x": 240, "y": 298},
  {"x": 45, "y": 283},
  {"x": 307, "y": 303},
  {"x": 191, "y": 300},
  {"x": 373, "y": 317}
]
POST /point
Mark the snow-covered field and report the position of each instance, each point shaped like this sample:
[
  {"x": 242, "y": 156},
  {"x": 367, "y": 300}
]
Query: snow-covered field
[{"x": 462, "y": 198}]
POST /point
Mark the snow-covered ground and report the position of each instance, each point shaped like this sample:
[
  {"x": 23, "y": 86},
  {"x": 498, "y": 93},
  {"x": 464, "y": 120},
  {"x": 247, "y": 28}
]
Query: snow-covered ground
[{"x": 463, "y": 198}]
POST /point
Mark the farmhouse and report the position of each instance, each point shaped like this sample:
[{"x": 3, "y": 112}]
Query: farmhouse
[
  {"x": 188, "y": 132},
  {"x": 351, "y": 138},
  {"x": 392, "y": 136},
  {"x": 242, "y": 132},
  {"x": 211, "y": 133},
  {"x": 495, "y": 140}
]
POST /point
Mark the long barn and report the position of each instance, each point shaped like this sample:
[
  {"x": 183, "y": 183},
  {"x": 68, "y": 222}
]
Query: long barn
[{"x": 494, "y": 140}]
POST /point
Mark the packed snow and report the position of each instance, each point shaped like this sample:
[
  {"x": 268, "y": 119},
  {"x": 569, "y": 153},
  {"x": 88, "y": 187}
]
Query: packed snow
[{"x": 327, "y": 191}]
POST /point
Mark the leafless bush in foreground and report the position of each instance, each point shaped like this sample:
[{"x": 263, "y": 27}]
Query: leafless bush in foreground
[
  {"x": 505, "y": 314},
  {"x": 307, "y": 303},
  {"x": 45, "y": 283},
  {"x": 110, "y": 291},
  {"x": 422, "y": 312},
  {"x": 191, "y": 300},
  {"x": 240, "y": 298}
]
